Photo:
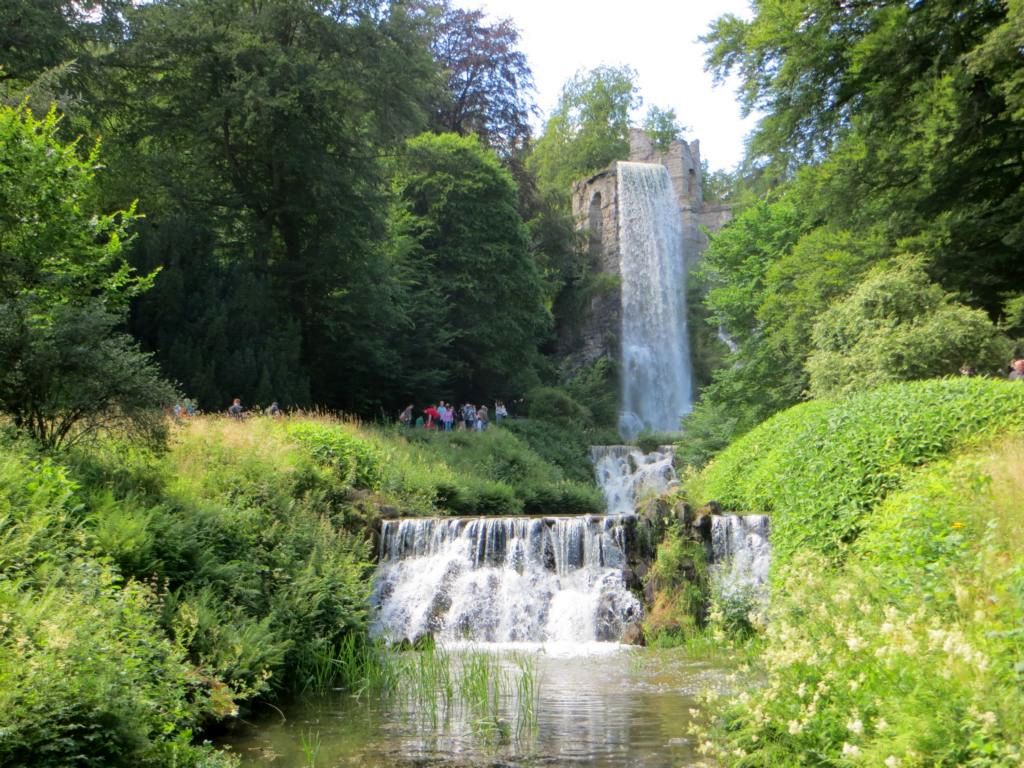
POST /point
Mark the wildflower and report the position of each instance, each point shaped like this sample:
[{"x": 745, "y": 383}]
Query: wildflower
[
  {"x": 850, "y": 750},
  {"x": 892, "y": 761},
  {"x": 881, "y": 724},
  {"x": 795, "y": 727},
  {"x": 956, "y": 525},
  {"x": 855, "y": 726}
]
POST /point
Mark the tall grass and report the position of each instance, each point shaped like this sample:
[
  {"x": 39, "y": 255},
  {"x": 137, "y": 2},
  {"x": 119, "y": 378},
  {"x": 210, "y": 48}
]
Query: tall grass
[{"x": 495, "y": 695}]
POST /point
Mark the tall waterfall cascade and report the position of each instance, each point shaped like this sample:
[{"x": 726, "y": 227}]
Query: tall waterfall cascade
[
  {"x": 625, "y": 474},
  {"x": 656, "y": 372},
  {"x": 504, "y": 579},
  {"x": 740, "y": 555}
]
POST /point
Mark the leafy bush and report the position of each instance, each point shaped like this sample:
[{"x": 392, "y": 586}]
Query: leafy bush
[
  {"x": 910, "y": 654},
  {"x": 66, "y": 371},
  {"x": 821, "y": 467},
  {"x": 896, "y": 325},
  {"x": 87, "y": 675},
  {"x": 565, "y": 446},
  {"x": 679, "y": 578},
  {"x": 358, "y": 462},
  {"x": 597, "y": 387},
  {"x": 652, "y": 441},
  {"x": 556, "y": 405}
]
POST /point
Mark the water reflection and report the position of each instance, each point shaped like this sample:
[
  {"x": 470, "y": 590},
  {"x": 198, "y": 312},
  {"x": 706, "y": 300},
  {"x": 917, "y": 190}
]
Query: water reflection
[{"x": 620, "y": 707}]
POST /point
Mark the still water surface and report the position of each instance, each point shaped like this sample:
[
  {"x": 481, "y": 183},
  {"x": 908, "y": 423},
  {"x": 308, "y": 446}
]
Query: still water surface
[{"x": 599, "y": 705}]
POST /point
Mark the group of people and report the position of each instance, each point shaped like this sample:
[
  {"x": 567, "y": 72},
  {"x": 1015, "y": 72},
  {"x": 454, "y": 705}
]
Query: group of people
[
  {"x": 236, "y": 411},
  {"x": 447, "y": 417},
  {"x": 186, "y": 409}
]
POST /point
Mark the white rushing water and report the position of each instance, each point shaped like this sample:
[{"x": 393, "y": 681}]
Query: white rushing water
[
  {"x": 740, "y": 555},
  {"x": 625, "y": 474},
  {"x": 656, "y": 371},
  {"x": 504, "y": 580}
]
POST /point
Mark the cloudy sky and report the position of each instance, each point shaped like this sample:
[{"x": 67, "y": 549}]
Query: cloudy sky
[{"x": 658, "y": 38}]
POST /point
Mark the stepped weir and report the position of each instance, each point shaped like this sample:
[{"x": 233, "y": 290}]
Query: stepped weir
[{"x": 506, "y": 579}]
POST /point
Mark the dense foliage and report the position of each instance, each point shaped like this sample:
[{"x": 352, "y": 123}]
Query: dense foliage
[
  {"x": 896, "y": 325},
  {"x": 819, "y": 469},
  {"x": 144, "y": 595},
  {"x": 489, "y": 80},
  {"x": 588, "y": 129},
  {"x": 889, "y": 129},
  {"x": 908, "y": 651},
  {"x": 481, "y": 311},
  {"x": 66, "y": 368},
  {"x": 260, "y": 141}
]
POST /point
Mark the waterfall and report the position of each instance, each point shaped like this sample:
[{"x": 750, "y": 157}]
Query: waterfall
[
  {"x": 655, "y": 348},
  {"x": 504, "y": 579},
  {"x": 740, "y": 555},
  {"x": 625, "y": 474}
]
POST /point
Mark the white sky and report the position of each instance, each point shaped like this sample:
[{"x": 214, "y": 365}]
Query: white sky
[{"x": 658, "y": 38}]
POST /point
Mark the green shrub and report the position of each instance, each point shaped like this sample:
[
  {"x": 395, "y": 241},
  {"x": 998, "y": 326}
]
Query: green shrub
[
  {"x": 255, "y": 538},
  {"x": 564, "y": 446},
  {"x": 358, "y": 462},
  {"x": 88, "y": 678},
  {"x": 87, "y": 674},
  {"x": 821, "y": 467},
  {"x": 679, "y": 578},
  {"x": 897, "y": 325},
  {"x": 597, "y": 387},
  {"x": 490, "y": 473},
  {"x": 652, "y": 441},
  {"x": 910, "y": 653},
  {"x": 554, "y": 404}
]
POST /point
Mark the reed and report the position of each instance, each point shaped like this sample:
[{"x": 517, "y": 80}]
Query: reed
[
  {"x": 496, "y": 696},
  {"x": 311, "y": 744}
]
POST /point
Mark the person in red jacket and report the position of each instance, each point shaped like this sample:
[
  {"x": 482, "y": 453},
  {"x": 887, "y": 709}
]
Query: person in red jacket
[{"x": 433, "y": 417}]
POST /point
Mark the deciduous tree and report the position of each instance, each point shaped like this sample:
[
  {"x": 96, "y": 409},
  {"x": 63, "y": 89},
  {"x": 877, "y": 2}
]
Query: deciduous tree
[{"x": 66, "y": 370}]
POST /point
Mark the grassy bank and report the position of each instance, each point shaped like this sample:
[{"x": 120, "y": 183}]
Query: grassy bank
[
  {"x": 144, "y": 596},
  {"x": 896, "y": 629}
]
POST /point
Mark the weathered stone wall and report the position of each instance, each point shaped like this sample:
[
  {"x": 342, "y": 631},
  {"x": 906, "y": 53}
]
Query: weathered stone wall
[
  {"x": 595, "y": 205},
  {"x": 596, "y": 211}
]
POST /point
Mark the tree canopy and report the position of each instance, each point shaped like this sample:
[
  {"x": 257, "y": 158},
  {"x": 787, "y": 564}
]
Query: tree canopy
[
  {"x": 474, "y": 262},
  {"x": 489, "y": 82},
  {"x": 589, "y": 127},
  {"x": 66, "y": 370},
  {"x": 888, "y": 128}
]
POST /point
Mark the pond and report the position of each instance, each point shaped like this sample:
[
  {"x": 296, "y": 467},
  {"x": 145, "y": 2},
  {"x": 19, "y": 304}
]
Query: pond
[{"x": 595, "y": 704}]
